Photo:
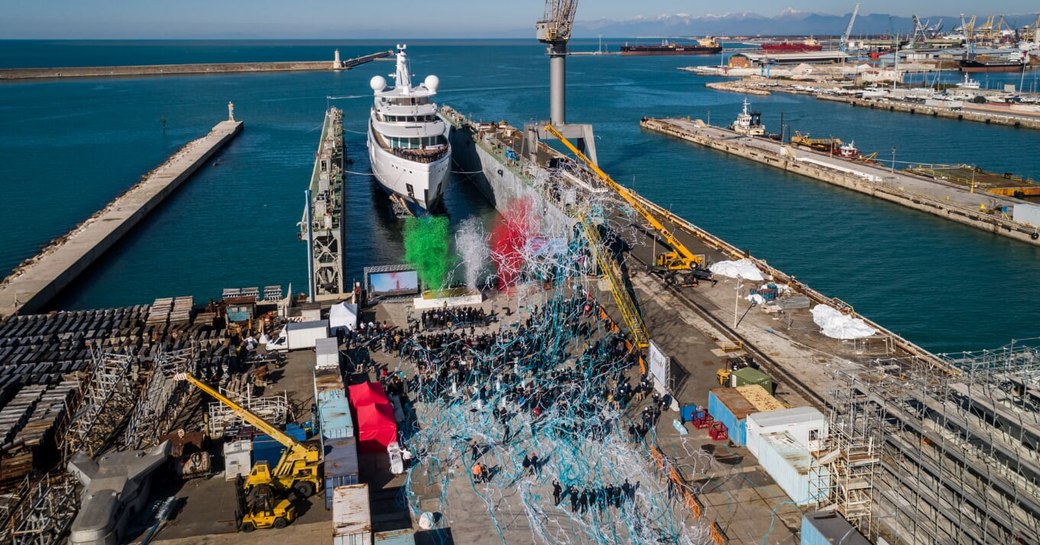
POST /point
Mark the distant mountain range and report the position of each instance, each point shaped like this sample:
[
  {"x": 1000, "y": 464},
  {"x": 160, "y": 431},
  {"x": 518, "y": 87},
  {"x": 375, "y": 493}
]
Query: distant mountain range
[{"x": 789, "y": 22}]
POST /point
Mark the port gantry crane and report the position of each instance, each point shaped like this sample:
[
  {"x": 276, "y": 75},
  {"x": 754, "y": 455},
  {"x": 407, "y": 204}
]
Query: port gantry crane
[
  {"x": 680, "y": 261},
  {"x": 299, "y": 468},
  {"x": 844, "y": 45}
]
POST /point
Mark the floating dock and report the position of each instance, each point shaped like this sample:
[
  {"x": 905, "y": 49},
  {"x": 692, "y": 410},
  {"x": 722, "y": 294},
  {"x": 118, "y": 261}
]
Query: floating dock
[
  {"x": 21, "y": 74},
  {"x": 325, "y": 212},
  {"x": 945, "y": 200},
  {"x": 37, "y": 280}
]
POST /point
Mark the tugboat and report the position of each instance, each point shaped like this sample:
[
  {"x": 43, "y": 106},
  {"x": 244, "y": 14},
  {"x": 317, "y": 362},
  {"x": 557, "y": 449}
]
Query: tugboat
[
  {"x": 748, "y": 123},
  {"x": 407, "y": 141},
  {"x": 849, "y": 151}
]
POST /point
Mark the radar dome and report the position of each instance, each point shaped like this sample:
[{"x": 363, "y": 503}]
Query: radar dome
[
  {"x": 432, "y": 82},
  {"x": 378, "y": 83}
]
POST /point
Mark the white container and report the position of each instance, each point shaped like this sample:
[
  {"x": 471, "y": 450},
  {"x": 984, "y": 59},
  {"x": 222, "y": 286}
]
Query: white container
[
  {"x": 788, "y": 463},
  {"x": 306, "y": 334},
  {"x": 237, "y": 459},
  {"x": 351, "y": 514},
  {"x": 1026, "y": 213},
  {"x": 806, "y": 425},
  {"x": 327, "y": 351}
]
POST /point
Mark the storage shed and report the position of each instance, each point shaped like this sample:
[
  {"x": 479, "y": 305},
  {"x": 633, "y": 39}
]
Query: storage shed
[
  {"x": 730, "y": 407},
  {"x": 806, "y": 425}
]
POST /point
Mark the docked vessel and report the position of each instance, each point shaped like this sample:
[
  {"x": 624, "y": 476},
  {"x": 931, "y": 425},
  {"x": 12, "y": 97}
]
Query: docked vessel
[
  {"x": 705, "y": 46},
  {"x": 804, "y": 46},
  {"x": 991, "y": 65},
  {"x": 748, "y": 123},
  {"x": 407, "y": 140}
]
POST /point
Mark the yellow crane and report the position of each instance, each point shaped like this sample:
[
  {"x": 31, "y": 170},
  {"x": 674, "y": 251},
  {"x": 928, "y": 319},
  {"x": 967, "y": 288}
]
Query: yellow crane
[
  {"x": 680, "y": 258},
  {"x": 298, "y": 470}
]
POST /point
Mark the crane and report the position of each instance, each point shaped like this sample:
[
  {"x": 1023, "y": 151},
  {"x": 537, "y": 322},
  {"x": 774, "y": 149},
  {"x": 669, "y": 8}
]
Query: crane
[
  {"x": 555, "y": 30},
  {"x": 680, "y": 258},
  {"x": 299, "y": 468},
  {"x": 844, "y": 45}
]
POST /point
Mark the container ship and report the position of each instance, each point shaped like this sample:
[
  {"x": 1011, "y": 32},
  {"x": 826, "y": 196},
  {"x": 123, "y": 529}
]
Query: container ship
[
  {"x": 705, "y": 46},
  {"x": 804, "y": 46},
  {"x": 978, "y": 65}
]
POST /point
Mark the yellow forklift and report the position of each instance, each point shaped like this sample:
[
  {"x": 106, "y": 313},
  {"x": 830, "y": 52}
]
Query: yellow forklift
[{"x": 262, "y": 511}]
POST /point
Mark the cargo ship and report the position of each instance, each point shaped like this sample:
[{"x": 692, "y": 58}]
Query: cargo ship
[
  {"x": 705, "y": 46},
  {"x": 804, "y": 46},
  {"x": 977, "y": 65}
]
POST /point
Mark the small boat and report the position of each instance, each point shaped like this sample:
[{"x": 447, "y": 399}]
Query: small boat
[
  {"x": 848, "y": 151},
  {"x": 968, "y": 83},
  {"x": 748, "y": 123}
]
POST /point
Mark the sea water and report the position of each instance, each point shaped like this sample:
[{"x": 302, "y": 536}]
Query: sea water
[{"x": 68, "y": 147}]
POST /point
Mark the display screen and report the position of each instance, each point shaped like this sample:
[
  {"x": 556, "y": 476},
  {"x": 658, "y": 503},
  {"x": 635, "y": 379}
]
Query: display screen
[{"x": 393, "y": 283}]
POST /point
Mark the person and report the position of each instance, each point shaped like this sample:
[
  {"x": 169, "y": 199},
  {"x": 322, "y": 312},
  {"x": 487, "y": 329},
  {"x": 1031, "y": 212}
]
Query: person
[
  {"x": 476, "y": 450},
  {"x": 527, "y": 465},
  {"x": 478, "y": 473},
  {"x": 557, "y": 491},
  {"x": 534, "y": 464}
]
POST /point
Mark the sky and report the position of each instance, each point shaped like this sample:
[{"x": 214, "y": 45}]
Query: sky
[{"x": 392, "y": 18}]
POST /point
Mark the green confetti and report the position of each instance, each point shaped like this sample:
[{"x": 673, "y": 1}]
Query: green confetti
[{"x": 426, "y": 247}]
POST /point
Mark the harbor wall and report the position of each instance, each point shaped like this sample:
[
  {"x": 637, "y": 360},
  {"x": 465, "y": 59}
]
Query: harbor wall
[
  {"x": 993, "y": 118},
  {"x": 38, "y": 280},
  {"x": 976, "y": 219},
  {"x": 13, "y": 74}
]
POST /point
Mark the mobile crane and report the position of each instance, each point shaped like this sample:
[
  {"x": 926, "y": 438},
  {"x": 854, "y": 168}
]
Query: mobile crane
[
  {"x": 299, "y": 470},
  {"x": 679, "y": 265}
]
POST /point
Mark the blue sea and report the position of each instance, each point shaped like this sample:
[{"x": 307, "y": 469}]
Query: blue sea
[{"x": 69, "y": 147}]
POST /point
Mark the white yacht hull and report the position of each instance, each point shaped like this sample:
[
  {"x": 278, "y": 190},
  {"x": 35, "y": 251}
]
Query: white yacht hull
[{"x": 421, "y": 184}]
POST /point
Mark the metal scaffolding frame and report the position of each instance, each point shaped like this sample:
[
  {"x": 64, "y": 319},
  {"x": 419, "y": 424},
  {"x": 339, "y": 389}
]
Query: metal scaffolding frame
[
  {"x": 46, "y": 511},
  {"x": 108, "y": 399},
  {"x": 164, "y": 395},
  {"x": 957, "y": 453},
  {"x": 273, "y": 409}
]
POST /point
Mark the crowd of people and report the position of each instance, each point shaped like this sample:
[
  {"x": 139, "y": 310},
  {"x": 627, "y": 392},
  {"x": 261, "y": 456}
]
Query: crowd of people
[
  {"x": 453, "y": 317},
  {"x": 584, "y": 497}
]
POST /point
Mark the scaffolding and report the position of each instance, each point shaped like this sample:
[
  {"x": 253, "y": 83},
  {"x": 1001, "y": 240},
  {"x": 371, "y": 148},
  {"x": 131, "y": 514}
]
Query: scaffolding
[
  {"x": 843, "y": 473},
  {"x": 108, "y": 399},
  {"x": 954, "y": 455},
  {"x": 46, "y": 512},
  {"x": 273, "y": 409},
  {"x": 154, "y": 415}
]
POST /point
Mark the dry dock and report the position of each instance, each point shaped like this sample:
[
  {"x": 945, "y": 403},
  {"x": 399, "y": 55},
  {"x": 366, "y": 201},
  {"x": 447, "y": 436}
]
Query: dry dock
[
  {"x": 940, "y": 199},
  {"x": 16, "y": 74},
  {"x": 37, "y": 280}
]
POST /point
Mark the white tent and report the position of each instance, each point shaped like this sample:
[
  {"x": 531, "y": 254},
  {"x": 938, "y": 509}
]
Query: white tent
[{"x": 343, "y": 315}]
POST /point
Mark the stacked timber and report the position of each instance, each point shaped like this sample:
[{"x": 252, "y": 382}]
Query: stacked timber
[
  {"x": 159, "y": 313},
  {"x": 181, "y": 313},
  {"x": 34, "y": 443}
]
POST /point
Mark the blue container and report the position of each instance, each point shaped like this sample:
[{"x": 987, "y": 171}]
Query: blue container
[
  {"x": 341, "y": 465},
  {"x": 266, "y": 449},
  {"x": 728, "y": 406},
  {"x": 686, "y": 412},
  {"x": 394, "y": 537},
  {"x": 829, "y": 529},
  {"x": 334, "y": 417}
]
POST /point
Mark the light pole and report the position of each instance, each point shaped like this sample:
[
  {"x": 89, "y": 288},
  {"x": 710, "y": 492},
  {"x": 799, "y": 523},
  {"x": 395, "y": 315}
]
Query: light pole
[{"x": 893, "y": 160}]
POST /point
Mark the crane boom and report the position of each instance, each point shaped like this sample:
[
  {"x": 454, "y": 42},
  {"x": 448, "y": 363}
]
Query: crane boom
[
  {"x": 687, "y": 258},
  {"x": 249, "y": 416},
  {"x": 848, "y": 30},
  {"x": 558, "y": 21}
]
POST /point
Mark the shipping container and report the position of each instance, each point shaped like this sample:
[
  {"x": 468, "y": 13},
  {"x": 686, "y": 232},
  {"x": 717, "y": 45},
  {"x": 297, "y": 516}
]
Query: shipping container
[
  {"x": 305, "y": 334},
  {"x": 327, "y": 353},
  {"x": 237, "y": 460},
  {"x": 266, "y": 449},
  {"x": 351, "y": 514},
  {"x": 729, "y": 406},
  {"x": 327, "y": 380},
  {"x": 1028, "y": 214},
  {"x": 829, "y": 528},
  {"x": 750, "y": 375},
  {"x": 788, "y": 463},
  {"x": 334, "y": 417},
  {"x": 405, "y": 536},
  {"x": 761, "y": 400},
  {"x": 806, "y": 425},
  {"x": 341, "y": 465}
]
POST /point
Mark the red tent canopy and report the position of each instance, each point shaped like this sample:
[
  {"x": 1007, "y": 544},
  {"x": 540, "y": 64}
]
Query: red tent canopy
[{"x": 376, "y": 425}]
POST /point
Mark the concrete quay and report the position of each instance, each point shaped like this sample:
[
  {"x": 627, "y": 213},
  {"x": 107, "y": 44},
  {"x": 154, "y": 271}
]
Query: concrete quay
[
  {"x": 939, "y": 199},
  {"x": 39, "y": 279},
  {"x": 20, "y": 74}
]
